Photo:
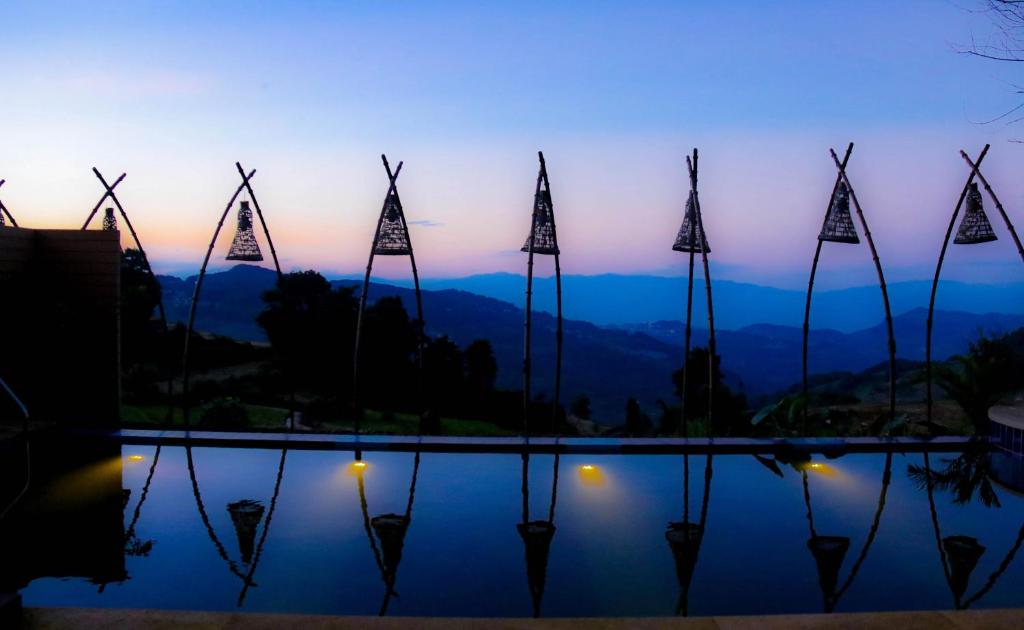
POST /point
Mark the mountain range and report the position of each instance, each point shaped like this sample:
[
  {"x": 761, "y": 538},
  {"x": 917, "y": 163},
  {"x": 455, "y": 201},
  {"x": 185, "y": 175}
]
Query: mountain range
[{"x": 607, "y": 363}]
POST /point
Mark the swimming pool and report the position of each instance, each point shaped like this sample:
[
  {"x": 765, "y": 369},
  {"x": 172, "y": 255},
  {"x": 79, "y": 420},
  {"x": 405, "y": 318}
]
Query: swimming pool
[{"x": 500, "y": 534}]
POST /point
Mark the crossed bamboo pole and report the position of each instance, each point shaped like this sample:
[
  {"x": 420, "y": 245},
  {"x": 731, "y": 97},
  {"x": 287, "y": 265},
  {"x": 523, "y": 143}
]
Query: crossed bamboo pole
[
  {"x": 842, "y": 177},
  {"x": 975, "y": 172},
  {"x": 392, "y": 188},
  {"x": 109, "y": 193},
  {"x": 246, "y": 186},
  {"x": 4, "y": 211},
  {"x": 697, "y": 226},
  {"x": 542, "y": 184}
]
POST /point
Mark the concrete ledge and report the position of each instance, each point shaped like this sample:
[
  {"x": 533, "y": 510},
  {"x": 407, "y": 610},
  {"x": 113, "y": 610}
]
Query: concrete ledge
[
  {"x": 119, "y": 618},
  {"x": 10, "y": 609},
  {"x": 608, "y": 446}
]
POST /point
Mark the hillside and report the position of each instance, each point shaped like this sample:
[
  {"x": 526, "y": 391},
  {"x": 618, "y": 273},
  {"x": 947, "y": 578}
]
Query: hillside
[{"x": 608, "y": 364}]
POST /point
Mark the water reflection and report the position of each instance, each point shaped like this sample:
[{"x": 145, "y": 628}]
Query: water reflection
[
  {"x": 685, "y": 537},
  {"x": 94, "y": 513},
  {"x": 245, "y": 516},
  {"x": 964, "y": 476},
  {"x": 538, "y": 534},
  {"x": 388, "y": 530}
]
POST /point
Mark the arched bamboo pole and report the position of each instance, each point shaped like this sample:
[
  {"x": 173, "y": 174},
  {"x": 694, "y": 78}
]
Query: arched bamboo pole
[
  {"x": 975, "y": 171},
  {"x": 5, "y": 212},
  {"x": 392, "y": 187},
  {"x": 245, "y": 185},
  {"x": 109, "y": 192},
  {"x": 841, "y": 167},
  {"x": 810, "y": 283},
  {"x": 542, "y": 184},
  {"x": 683, "y": 601}
]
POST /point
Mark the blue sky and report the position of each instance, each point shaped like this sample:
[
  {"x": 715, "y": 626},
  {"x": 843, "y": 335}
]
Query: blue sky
[{"x": 615, "y": 94}]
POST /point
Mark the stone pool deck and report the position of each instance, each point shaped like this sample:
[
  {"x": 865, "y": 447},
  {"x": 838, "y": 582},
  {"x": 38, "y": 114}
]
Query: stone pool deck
[{"x": 97, "y": 619}]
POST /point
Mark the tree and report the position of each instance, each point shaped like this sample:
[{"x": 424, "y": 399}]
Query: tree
[
  {"x": 1005, "y": 44},
  {"x": 481, "y": 367},
  {"x": 581, "y": 407},
  {"x": 729, "y": 407},
  {"x": 991, "y": 370},
  {"x": 637, "y": 422}
]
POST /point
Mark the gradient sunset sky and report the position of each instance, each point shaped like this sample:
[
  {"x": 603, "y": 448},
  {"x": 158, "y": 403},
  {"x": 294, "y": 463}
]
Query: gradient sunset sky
[{"x": 614, "y": 93}]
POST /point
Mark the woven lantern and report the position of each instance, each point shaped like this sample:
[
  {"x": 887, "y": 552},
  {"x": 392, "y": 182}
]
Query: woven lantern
[
  {"x": 537, "y": 536},
  {"x": 543, "y": 232},
  {"x": 244, "y": 246},
  {"x": 109, "y": 220},
  {"x": 687, "y": 240},
  {"x": 394, "y": 236},
  {"x": 975, "y": 227},
  {"x": 962, "y": 554},
  {"x": 838, "y": 226}
]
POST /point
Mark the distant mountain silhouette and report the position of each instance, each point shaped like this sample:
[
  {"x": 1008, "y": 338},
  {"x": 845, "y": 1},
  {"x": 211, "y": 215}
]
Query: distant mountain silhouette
[
  {"x": 608, "y": 364},
  {"x": 611, "y": 299}
]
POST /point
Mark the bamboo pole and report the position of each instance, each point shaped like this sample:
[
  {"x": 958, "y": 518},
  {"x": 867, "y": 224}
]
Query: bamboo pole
[
  {"x": 999, "y": 206},
  {"x": 689, "y": 311},
  {"x": 5, "y": 211},
  {"x": 110, "y": 191},
  {"x": 810, "y": 286},
  {"x": 197, "y": 291},
  {"x": 529, "y": 307},
  {"x": 558, "y": 294},
  {"x": 881, "y": 284},
  {"x": 712, "y": 345},
  {"x": 935, "y": 285},
  {"x": 392, "y": 178},
  {"x": 149, "y": 270}
]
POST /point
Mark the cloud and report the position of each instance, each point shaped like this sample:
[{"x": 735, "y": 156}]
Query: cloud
[{"x": 427, "y": 223}]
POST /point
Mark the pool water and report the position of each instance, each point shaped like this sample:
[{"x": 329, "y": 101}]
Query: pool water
[{"x": 444, "y": 534}]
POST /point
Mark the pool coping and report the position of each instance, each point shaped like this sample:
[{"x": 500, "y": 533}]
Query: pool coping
[{"x": 588, "y": 445}]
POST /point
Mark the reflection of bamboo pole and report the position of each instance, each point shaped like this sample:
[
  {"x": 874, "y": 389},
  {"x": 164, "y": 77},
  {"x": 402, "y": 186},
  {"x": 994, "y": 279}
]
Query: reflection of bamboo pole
[
  {"x": 130, "y": 532},
  {"x": 683, "y": 601},
  {"x": 881, "y": 284},
  {"x": 266, "y": 529},
  {"x": 810, "y": 282},
  {"x": 935, "y": 284}
]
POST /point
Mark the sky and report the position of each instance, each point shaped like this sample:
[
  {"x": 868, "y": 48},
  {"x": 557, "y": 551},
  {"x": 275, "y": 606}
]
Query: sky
[{"x": 465, "y": 93}]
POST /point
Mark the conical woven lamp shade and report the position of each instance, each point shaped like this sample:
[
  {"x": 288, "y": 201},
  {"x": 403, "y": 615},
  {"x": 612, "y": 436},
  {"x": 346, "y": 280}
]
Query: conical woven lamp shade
[
  {"x": 829, "y": 553},
  {"x": 962, "y": 554},
  {"x": 390, "y": 529},
  {"x": 684, "y": 539},
  {"x": 688, "y": 239},
  {"x": 109, "y": 220},
  {"x": 393, "y": 239},
  {"x": 245, "y": 247},
  {"x": 537, "y": 535},
  {"x": 544, "y": 239},
  {"x": 838, "y": 226},
  {"x": 246, "y": 516},
  {"x": 975, "y": 227}
]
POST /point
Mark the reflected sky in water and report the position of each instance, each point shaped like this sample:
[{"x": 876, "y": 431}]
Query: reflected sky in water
[{"x": 463, "y": 556}]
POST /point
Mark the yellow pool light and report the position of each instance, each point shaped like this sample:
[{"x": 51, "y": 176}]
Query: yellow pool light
[
  {"x": 135, "y": 458},
  {"x": 356, "y": 468},
  {"x": 591, "y": 475},
  {"x": 821, "y": 468}
]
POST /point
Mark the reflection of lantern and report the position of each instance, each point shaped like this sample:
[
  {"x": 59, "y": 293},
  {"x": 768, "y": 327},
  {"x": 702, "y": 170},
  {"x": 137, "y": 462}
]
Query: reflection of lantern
[
  {"x": 245, "y": 247},
  {"x": 390, "y": 529},
  {"x": 829, "y": 553},
  {"x": 687, "y": 240},
  {"x": 684, "y": 539},
  {"x": 975, "y": 227},
  {"x": 246, "y": 516},
  {"x": 962, "y": 553},
  {"x": 543, "y": 230},
  {"x": 838, "y": 226},
  {"x": 537, "y": 535},
  {"x": 109, "y": 220}
]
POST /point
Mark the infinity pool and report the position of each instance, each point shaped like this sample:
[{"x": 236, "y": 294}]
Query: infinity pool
[{"x": 447, "y": 534}]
